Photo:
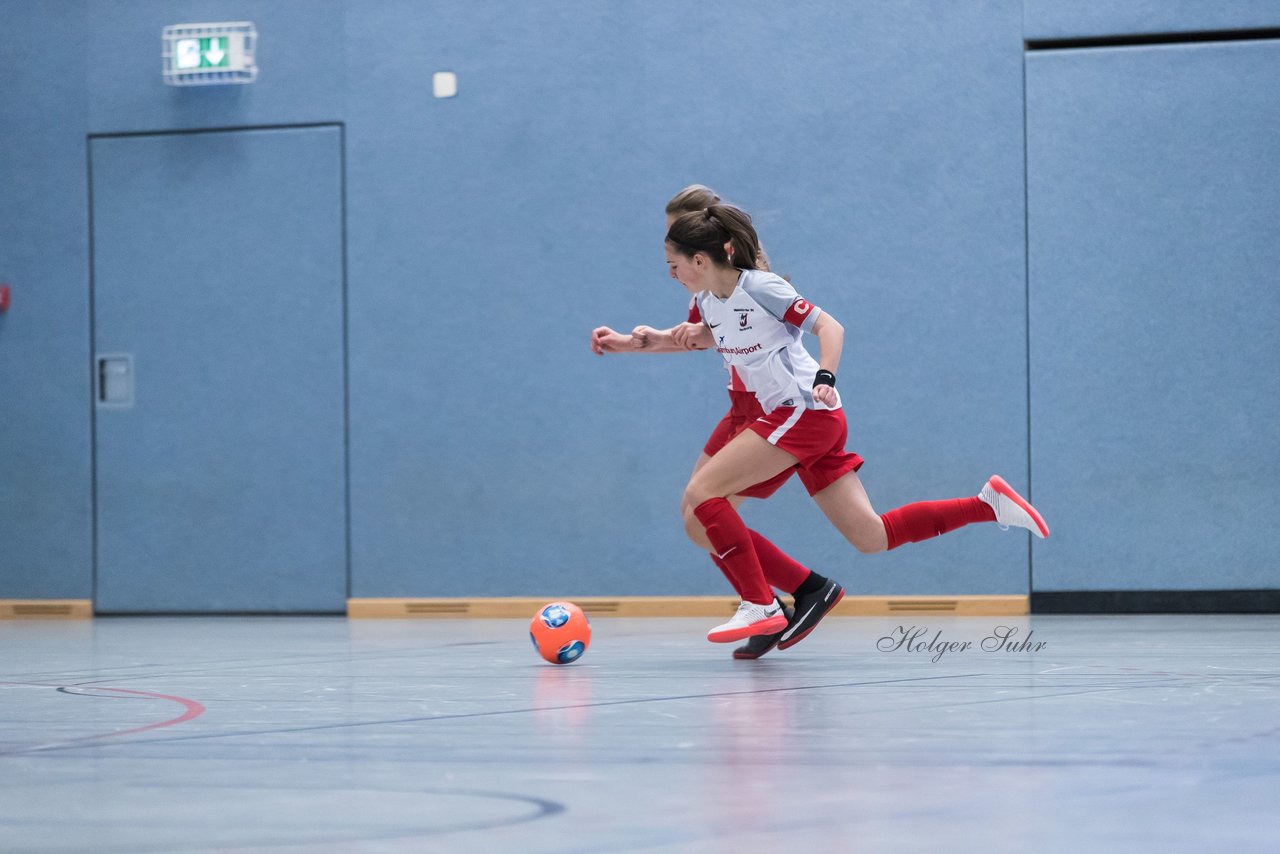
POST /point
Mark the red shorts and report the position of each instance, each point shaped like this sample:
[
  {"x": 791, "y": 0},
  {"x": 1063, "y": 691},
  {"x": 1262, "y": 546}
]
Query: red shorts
[
  {"x": 744, "y": 409},
  {"x": 816, "y": 438}
]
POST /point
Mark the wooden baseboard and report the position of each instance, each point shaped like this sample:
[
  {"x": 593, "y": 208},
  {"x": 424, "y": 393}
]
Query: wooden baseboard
[
  {"x": 682, "y": 606},
  {"x": 595, "y": 606},
  {"x": 958, "y": 606},
  {"x": 46, "y": 609}
]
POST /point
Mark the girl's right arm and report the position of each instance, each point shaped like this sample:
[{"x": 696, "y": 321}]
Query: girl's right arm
[
  {"x": 677, "y": 339},
  {"x": 605, "y": 340},
  {"x": 646, "y": 339}
]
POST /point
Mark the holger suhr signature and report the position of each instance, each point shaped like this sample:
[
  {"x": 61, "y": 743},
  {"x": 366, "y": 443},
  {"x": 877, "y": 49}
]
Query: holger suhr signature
[{"x": 916, "y": 639}]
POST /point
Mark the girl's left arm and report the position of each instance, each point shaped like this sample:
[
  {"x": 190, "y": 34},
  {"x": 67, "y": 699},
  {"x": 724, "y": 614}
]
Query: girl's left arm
[
  {"x": 830, "y": 344},
  {"x": 677, "y": 339}
]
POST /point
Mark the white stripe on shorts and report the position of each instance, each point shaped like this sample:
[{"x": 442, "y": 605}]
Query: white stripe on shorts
[{"x": 786, "y": 425}]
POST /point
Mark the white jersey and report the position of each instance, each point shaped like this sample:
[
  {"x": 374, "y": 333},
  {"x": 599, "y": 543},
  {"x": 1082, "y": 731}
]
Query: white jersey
[{"x": 758, "y": 330}]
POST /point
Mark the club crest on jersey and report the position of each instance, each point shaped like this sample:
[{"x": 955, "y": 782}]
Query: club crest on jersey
[{"x": 744, "y": 318}]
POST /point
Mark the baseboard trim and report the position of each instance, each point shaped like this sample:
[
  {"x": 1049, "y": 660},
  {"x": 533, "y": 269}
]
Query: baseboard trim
[
  {"x": 1156, "y": 602},
  {"x": 958, "y": 606},
  {"x": 679, "y": 606},
  {"x": 46, "y": 609}
]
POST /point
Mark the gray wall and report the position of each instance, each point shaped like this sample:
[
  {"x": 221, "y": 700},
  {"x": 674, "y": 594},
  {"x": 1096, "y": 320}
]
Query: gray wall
[{"x": 883, "y": 151}]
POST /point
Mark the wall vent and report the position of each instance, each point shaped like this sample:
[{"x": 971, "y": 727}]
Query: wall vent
[
  {"x": 35, "y": 610},
  {"x": 459, "y": 608},
  {"x": 46, "y": 609},
  {"x": 931, "y": 605}
]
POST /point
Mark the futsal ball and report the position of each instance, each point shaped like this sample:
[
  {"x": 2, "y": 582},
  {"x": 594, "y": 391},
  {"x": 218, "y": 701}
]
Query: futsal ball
[{"x": 560, "y": 632}]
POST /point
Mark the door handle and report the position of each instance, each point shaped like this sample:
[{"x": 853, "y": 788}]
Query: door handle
[{"x": 115, "y": 380}]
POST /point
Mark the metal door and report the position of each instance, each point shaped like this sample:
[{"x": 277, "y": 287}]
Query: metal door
[{"x": 219, "y": 372}]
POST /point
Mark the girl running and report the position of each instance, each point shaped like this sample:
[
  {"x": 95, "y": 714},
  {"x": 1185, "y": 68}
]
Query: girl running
[
  {"x": 743, "y": 406},
  {"x": 755, "y": 320},
  {"x": 780, "y": 570}
]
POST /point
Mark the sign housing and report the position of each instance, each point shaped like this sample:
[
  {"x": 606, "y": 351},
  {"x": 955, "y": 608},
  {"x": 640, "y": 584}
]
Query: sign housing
[{"x": 209, "y": 54}]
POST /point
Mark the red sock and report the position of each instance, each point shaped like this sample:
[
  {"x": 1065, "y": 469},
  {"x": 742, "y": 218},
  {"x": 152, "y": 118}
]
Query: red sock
[
  {"x": 727, "y": 574},
  {"x": 924, "y": 520},
  {"x": 732, "y": 541},
  {"x": 780, "y": 569}
]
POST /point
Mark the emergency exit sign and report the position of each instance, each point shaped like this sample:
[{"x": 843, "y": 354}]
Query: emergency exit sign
[
  {"x": 203, "y": 53},
  {"x": 209, "y": 54}
]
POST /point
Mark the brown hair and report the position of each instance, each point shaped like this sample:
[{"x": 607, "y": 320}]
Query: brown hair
[
  {"x": 710, "y": 230},
  {"x": 692, "y": 199}
]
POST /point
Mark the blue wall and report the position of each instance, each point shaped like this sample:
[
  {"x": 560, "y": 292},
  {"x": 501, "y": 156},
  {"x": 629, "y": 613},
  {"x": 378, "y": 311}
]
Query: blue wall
[
  {"x": 880, "y": 146},
  {"x": 879, "y": 149},
  {"x": 45, "y": 468},
  {"x": 1155, "y": 246}
]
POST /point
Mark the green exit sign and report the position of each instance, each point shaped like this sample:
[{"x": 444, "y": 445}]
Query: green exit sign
[
  {"x": 206, "y": 54},
  {"x": 203, "y": 53}
]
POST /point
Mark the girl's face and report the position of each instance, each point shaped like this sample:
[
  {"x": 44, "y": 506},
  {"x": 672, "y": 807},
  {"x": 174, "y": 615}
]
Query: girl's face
[
  {"x": 685, "y": 270},
  {"x": 670, "y": 219}
]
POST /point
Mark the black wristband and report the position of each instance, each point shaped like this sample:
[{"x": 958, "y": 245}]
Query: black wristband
[{"x": 824, "y": 378}]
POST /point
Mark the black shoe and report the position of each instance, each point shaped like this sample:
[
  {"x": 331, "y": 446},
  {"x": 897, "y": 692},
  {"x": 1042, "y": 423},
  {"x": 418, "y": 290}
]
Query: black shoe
[
  {"x": 758, "y": 645},
  {"x": 810, "y": 610}
]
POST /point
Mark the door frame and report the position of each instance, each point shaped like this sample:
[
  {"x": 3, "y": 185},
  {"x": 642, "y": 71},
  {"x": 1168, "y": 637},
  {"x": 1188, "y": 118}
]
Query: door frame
[{"x": 94, "y": 355}]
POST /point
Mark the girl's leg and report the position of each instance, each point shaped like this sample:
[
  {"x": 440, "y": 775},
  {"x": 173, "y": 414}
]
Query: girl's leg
[
  {"x": 746, "y": 460},
  {"x": 924, "y": 520},
  {"x": 693, "y": 528},
  {"x": 846, "y": 504},
  {"x": 780, "y": 570},
  {"x": 702, "y": 460}
]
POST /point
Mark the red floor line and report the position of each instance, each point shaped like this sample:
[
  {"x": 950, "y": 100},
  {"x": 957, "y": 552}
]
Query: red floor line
[{"x": 194, "y": 709}]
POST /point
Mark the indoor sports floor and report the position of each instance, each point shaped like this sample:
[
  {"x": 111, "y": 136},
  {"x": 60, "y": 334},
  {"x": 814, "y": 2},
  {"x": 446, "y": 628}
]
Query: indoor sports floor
[{"x": 1121, "y": 733}]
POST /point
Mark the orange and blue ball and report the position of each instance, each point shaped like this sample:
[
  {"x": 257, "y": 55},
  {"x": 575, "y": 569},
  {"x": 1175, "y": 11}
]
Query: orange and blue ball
[{"x": 560, "y": 632}]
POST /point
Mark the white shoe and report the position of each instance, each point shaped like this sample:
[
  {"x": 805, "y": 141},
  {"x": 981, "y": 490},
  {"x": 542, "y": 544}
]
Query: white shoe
[
  {"x": 1012, "y": 510},
  {"x": 750, "y": 620}
]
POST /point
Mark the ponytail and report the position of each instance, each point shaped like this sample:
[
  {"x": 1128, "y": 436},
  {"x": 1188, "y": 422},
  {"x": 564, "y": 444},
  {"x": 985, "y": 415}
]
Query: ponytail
[
  {"x": 695, "y": 197},
  {"x": 711, "y": 231}
]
